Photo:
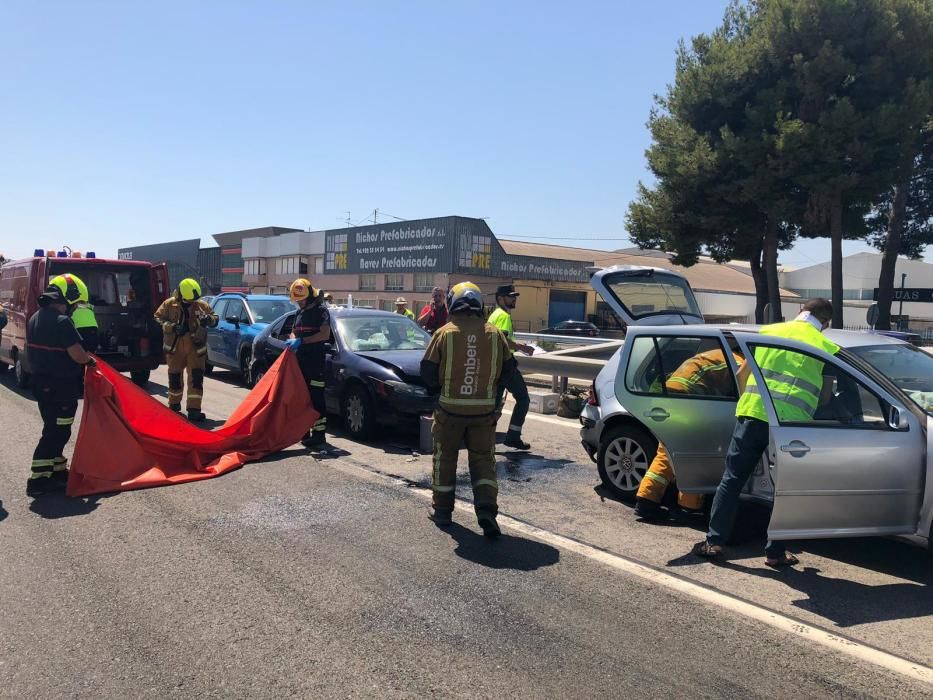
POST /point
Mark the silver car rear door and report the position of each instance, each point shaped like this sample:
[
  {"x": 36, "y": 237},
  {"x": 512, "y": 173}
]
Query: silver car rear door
[
  {"x": 695, "y": 429},
  {"x": 855, "y": 469}
]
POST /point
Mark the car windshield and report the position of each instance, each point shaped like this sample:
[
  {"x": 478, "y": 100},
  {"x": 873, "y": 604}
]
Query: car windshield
[
  {"x": 907, "y": 366},
  {"x": 380, "y": 333},
  {"x": 267, "y": 310}
]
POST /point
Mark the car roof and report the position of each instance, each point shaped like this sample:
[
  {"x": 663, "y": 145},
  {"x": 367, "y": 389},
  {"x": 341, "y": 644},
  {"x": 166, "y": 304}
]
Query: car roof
[
  {"x": 845, "y": 339},
  {"x": 251, "y": 297}
]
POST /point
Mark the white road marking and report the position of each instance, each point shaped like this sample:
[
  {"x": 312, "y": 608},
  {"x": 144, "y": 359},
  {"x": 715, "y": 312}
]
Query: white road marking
[{"x": 658, "y": 577}]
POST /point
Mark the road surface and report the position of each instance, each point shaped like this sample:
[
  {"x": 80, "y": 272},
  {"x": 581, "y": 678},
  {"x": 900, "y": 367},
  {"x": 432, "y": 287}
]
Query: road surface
[{"x": 325, "y": 578}]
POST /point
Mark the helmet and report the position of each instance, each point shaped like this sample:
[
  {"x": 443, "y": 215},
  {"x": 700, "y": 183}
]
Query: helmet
[
  {"x": 301, "y": 289},
  {"x": 465, "y": 296},
  {"x": 66, "y": 288},
  {"x": 189, "y": 289}
]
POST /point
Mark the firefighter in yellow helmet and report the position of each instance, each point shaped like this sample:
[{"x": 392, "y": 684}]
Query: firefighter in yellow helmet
[
  {"x": 185, "y": 319},
  {"x": 704, "y": 374},
  {"x": 310, "y": 334},
  {"x": 464, "y": 363},
  {"x": 57, "y": 361}
]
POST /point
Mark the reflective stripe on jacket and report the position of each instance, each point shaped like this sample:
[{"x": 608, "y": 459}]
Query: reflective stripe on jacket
[
  {"x": 705, "y": 374},
  {"x": 469, "y": 354},
  {"x": 794, "y": 380},
  {"x": 83, "y": 316}
]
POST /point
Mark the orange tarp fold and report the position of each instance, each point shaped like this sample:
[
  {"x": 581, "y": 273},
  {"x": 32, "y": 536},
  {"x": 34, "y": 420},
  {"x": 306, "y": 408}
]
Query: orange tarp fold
[{"x": 130, "y": 440}]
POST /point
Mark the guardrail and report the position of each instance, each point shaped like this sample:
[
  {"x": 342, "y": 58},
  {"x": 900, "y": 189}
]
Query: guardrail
[
  {"x": 561, "y": 339},
  {"x": 575, "y": 363}
]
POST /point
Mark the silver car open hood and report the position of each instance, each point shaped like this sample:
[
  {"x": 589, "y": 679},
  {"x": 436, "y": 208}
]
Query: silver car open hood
[{"x": 647, "y": 296}]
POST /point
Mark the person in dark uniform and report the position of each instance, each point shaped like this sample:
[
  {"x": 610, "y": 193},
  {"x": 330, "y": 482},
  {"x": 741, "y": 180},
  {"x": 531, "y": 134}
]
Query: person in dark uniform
[
  {"x": 57, "y": 360},
  {"x": 310, "y": 334}
]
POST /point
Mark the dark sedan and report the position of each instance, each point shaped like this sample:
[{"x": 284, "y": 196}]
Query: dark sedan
[
  {"x": 373, "y": 367},
  {"x": 580, "y": 329}
]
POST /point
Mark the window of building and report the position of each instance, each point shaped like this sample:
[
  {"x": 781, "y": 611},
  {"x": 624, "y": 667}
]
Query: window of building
[
  {"x": 254, "y": 267},
  {"x": 424, "y": 282},
  {"x": 387, "y": 305},
  {"x": 364, "y": 303},
  {"x": 286, "y": 266},
  {"x": 303, "y": 266},
  {"x": 318, "y": 265},
  {"x": 367, "y": 283},
  {"x": 395, "y": 283}
]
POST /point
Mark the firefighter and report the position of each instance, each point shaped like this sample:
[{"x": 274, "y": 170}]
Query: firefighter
[
  {"x": 704, "y": 374},
  {"x": 501, "y": 318},
  {"x": 57, "y": 360},
  {"x": 185, "y": 319},
  {"x": 401, "y": 308},
  {"x": 310, "y": 334},
  {"x": 86, "y": 322},
  {"x": 797, "y": 387},
  {"x": 465, "y": 361}
]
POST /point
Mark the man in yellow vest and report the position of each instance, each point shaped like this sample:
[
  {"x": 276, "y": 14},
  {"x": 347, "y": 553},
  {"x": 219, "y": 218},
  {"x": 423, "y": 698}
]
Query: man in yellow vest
[
  {"x": 796, "y": 385},
  {"x": 704, "y": 374},
  {"x": 501, "y": 318},
  {"x": 401, "y": 308},
  {"x": 464, "y": 364}
]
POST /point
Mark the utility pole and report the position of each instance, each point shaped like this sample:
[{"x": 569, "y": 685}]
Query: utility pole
[
  {"x": 348, "y": 219},
  {"x": 375, "y": 216},
  {"x": 900, "y": 313}
]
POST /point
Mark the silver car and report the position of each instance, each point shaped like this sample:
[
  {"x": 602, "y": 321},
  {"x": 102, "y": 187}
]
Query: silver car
[{"x": 860, "y": 467}]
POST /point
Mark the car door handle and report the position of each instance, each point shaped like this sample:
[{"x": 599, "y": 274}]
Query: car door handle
[
  {"x": 795, "y": 448},
  {"x": 657, "y": 413}
]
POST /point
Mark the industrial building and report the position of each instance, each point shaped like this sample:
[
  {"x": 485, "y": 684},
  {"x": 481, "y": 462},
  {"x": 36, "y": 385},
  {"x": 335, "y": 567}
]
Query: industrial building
[{"x": 184, "y": 259}]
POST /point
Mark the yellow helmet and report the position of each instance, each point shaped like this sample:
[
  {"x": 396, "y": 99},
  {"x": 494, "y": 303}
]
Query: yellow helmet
[
  {"x": 189, "y": 289},
  {"x": 67, "y": 288},
  {"x": 465, "y": 296},
  {"x": 301, "y": 289}
]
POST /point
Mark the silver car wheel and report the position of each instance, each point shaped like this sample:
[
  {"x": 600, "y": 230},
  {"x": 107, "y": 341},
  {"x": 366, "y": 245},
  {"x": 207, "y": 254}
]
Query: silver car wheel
[
  {"x": 625, "y": 463},
  {"x": 356, "y": 413}
]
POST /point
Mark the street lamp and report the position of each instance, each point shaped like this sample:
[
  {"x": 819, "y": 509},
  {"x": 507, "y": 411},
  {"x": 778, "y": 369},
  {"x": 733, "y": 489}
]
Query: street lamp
[{"x": 900, "y": 312}]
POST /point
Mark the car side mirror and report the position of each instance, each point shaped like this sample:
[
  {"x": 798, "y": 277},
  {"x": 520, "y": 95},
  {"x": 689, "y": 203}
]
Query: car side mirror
[
  {"x": 235, "y": 320},
  {"x": 897, "y": 419}
]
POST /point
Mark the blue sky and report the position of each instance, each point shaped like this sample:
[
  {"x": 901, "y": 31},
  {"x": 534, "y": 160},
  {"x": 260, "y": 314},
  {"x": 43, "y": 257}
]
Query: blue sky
[{"x": 125, "y": 123}]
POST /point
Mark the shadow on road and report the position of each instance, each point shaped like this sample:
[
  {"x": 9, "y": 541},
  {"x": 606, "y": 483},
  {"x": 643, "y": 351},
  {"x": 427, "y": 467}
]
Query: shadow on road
[
  {"x": 849, "y": 603},
  {"x": 8, "y": 381},
  {"x": 53, "y": 506},
  {"x": 3, "y": 512},
  {"x": 505, "y": 552}
]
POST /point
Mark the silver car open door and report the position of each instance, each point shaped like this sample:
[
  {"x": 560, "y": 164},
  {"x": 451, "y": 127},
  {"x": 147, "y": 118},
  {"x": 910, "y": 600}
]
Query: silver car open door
[
  {"x": 647, "y": 295},
  {"x": 695, "y": 422},
  {"x": 855, "y": 468}
]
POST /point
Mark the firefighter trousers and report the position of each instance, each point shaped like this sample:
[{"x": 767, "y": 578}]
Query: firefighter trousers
[
  {"x": 659, "y": 476},
  {"x": 186, "y": 359},
  {"x": 479, "y": 434},
  {"x": 313, "y": 369},
  {"x": 57, "y": 398}
]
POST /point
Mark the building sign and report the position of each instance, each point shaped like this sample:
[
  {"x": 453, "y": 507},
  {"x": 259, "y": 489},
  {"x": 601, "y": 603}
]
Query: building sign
[
  {"x": 421, "y": 246},
  {"x": 910, "y": 294},
  {"x": 522, "y": 267}
]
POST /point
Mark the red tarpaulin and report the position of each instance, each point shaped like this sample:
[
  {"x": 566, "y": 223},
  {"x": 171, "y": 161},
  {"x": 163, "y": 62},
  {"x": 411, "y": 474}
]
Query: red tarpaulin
[{"x": 129, "y": 440}]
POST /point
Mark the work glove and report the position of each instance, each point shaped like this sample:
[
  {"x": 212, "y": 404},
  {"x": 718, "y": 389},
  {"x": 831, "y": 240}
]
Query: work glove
[
  {"x": 206, "y": 321},
  {"x": 293, "y": 344},
  {"x": 91, "y": 362}
]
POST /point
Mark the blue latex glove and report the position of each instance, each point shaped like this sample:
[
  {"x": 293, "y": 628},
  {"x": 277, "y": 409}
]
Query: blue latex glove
[{"x": 293, "y": 344}]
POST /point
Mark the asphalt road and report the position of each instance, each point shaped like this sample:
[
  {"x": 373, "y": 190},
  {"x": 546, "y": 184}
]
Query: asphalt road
[{"x": 324, "y": 579}]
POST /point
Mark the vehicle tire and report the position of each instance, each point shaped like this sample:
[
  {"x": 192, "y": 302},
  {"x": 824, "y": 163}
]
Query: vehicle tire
[
  {"x": 246, "y": 359},
  {"x": 208, "y": 368},
  {"x": 140, "y": 377},
  {"x": 359, "y": 414},
  {"x": 257, "y": 373},
  {"x": 22, "y": 376},
  {"x": 625, "y": 453}
]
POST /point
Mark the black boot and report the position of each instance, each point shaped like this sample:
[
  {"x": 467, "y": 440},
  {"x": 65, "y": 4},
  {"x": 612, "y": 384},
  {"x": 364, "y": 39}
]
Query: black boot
[
  {"x": 195, "y": 415},
  {"x": 42, "y": 486},
  {"x": 649, "y": 510},
  {"x": 175, "y": 407},
  {"x": 489, "y": 525},
  {"x": 316, "y": 442},
  {"x": 513, "y": 439},
  {"x": 441, "y": 517}
]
